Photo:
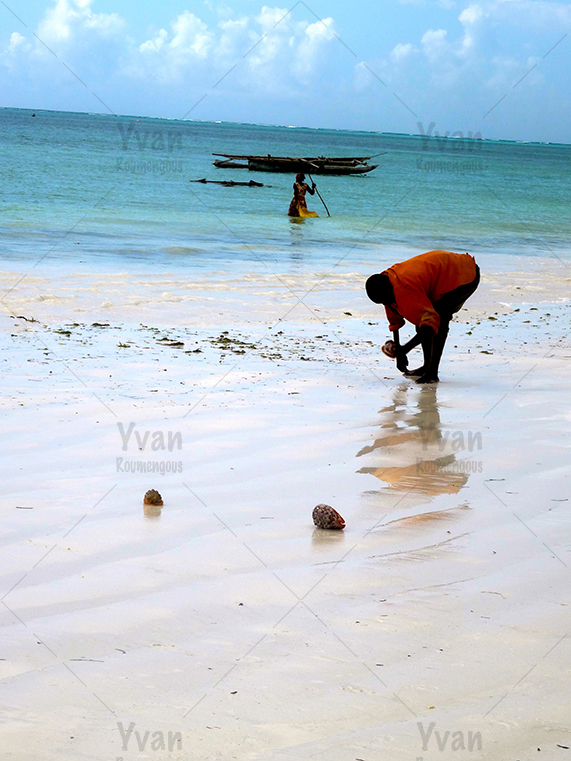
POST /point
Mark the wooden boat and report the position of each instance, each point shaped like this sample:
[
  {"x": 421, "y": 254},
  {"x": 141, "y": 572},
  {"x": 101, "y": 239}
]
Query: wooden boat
[
  {"x": 229, "y": 164},
  {"x": 292, "y": 165},
  {"x": 309, "y": 166}
]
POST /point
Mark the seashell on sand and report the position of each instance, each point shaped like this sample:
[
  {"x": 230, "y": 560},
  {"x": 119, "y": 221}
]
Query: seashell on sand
[
  {"x": 325, "y": 516},
  {"x": 152, "y": 497}
]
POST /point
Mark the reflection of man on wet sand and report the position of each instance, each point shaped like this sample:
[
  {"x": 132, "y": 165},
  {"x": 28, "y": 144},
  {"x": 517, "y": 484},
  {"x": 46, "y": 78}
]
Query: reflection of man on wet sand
[
  {"x": 406, "y": 435},
  {"x": 425, "y": 290}
]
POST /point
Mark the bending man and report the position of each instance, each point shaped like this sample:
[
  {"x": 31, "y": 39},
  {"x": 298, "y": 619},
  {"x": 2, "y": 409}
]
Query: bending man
[{"x": 425, "y": 290}]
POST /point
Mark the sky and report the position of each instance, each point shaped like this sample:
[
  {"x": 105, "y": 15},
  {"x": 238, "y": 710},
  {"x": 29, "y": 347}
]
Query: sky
[{"x": 494, "y": 67}]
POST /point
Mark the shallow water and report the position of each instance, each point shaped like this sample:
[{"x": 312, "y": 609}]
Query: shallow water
[{"x": 108, "y": 192}]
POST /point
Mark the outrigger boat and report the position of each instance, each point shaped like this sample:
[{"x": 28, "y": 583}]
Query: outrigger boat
[{"x": 312, "y": 165}]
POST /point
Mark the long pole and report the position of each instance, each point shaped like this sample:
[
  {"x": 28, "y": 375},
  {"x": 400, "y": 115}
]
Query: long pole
[{"x": 319, "y": 194}]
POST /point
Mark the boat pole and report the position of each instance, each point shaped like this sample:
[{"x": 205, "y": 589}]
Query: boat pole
[{"x": 319, "y": 194}]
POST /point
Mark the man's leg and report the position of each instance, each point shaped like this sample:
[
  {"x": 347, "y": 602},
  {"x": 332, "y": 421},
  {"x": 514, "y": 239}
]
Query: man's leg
[
  {"x": 438, "y": 346},
  {"x": 448, "y": 305},
  {"x": 431, "y": 373}
]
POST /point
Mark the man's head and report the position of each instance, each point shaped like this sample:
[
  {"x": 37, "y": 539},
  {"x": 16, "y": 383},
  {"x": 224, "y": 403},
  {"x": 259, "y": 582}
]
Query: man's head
[
  {"x": 379, "y": 289},
  {"x": 300, "y": 177}
]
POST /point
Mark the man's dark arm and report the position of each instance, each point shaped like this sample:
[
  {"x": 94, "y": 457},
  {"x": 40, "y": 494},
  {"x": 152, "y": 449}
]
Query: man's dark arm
[
  {"x": 400, "y": 357},
  {"x": 424, "y": 336},
  {"x": 405, "y": 348}
]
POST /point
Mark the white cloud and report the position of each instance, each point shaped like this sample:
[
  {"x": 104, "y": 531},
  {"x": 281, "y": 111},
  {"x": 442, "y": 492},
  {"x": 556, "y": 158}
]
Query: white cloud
[
  {"x": 106, "y": 24},
  {"x": 153, "y": 46},
  {"x": 172, "y": 57},
  {"x": 89, "y": 43},
  {"x": 16, "y": 40},
  {"x": 268, "y": 55},
  {"x": 272, "y": 53},
  {"x": 270, "y": 17},
  {"x": 471, "y": 14},
  {"x": 435, "y": 44},
  {"x": 401, "y": 51},
  {"x": 191, "y": 36},
  {"x": 363, "y": 78},
  {"x": 68, "y": 18},
  {"x": 509, "y": 72},
  {"x": 310, "y": 47},
  {"x": 449, "y": 58},
  {"x": 453, "y": 73},
  {"x": 473, "y": 19}
]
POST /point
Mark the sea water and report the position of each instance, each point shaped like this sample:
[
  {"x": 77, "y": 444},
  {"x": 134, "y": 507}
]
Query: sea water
[{"x": 99, "y": 192}]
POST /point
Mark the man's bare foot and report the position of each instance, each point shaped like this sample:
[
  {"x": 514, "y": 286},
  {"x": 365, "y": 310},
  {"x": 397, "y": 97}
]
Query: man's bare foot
[
  {"x": 418, "y": 371},
  {"x": 428, "y": 378}
]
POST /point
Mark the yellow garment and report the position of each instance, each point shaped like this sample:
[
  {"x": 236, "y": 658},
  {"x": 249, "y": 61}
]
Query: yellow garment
[
  {"x": 298, "y": 206},
  {"x": 303, "y": 211}
]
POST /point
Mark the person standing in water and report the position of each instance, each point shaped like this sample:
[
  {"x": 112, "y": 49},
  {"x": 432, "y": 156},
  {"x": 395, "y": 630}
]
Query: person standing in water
[
  {"x": 298, "y": 206},
  {"x": 425, "y": 290}
]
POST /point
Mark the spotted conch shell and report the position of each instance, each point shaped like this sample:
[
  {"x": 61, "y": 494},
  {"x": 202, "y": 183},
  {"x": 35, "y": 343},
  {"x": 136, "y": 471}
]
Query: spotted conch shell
[
  {"x": 152, "y": 497},
  {"x": 324, "y": 516}
]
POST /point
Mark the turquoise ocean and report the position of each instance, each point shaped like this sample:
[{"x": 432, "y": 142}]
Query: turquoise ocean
[{"x": 98, "y": 192}]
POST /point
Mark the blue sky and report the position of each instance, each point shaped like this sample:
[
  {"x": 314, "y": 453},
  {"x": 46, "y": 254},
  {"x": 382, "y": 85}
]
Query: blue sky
[{"x": 372, "y": 64}]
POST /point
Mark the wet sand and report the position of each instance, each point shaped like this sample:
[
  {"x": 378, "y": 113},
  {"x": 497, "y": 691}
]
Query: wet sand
[{"x": 226, "y": 616}]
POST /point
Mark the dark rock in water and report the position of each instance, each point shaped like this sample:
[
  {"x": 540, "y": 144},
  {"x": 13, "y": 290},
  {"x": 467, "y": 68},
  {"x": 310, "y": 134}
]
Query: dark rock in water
[
  {"x": 152, "y": 497},
  {"x": 325, "y": 516}
]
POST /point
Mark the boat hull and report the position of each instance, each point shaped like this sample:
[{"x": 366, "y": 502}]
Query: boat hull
[
  {"x": 229, "y": 164},
  {"x": 292, "y": 167}
]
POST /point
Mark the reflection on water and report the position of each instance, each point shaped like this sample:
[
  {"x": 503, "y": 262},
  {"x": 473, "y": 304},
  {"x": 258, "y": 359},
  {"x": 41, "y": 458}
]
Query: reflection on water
[
  {"x": 429, "y": 463},
  {"x": 421, "y": 518},
  {"x": 152, "y": 511},
  {"x": 412, "y": 477},
  {"x": 323, "y": 540},
  {"x": 298, "y": 240}
]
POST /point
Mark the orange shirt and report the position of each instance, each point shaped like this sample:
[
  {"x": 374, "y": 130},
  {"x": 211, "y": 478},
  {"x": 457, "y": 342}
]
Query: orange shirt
[{"x": 420, "y": 282}]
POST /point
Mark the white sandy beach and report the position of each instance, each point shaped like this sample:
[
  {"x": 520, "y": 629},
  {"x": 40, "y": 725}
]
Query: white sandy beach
[{"x": 226, "y": 616}]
